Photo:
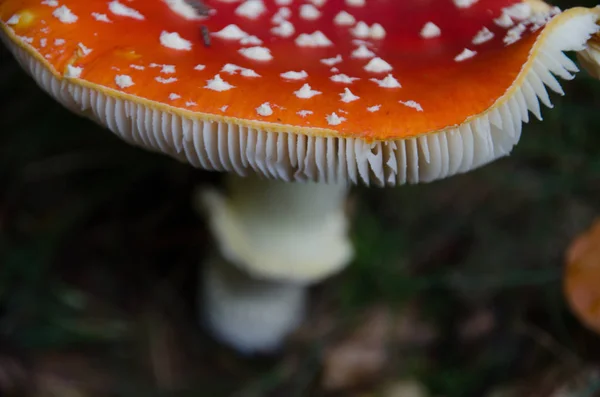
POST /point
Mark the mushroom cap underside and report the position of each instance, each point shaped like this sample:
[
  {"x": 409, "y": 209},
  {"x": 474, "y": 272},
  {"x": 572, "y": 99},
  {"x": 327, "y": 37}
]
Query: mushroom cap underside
[{"x": 384, "y": 93}]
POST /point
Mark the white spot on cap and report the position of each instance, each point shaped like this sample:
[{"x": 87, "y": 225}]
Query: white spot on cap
[
  {"x": 377, "y": 31},
  {"x": 378, "y": 65},
  {"x": 388, "y": 81},
  {"x": 284, "y": 29},
  {"x": 14, "y": 19},
  {"x": 251, "y": 40},
  {"x": 355, "y": 3},
  {"x": 361, "y": 30},
  {"x": 251, "y": 9},
  {"x": 264, "y": 109},
  {"x": 137, "y": 67},
  {"x": 504, "y": 21},
  {"x": 73, "y": 71},
  {"x": 230, "y": 68},
  {"x": 464, "y": 55},
  {"x": 123, "y": 81},
  {"x": 51, "y": 3},
  {"x": 281, "y": 15},
  {"x": 344, "y": 18},
  {"x": 199, "y": 67},
  {"x": 342, "y": 78},
  {"x": 184, "y": 9},
  {"x": 374, "y": 108},
  {"x": 231, "y": 32},
  {"x": 483, "y": 36},
  {"x": 65, "y": 15},
  {"x": 173, "y": 96},
  {"x": 257, "y": 53},
  {"x": 167, "y": 80},
  {"x": 120, "y": 9},
  {"x": 518, "y": 11},
  {"x": 234, "y": 69},
  {"x": 304, "y": 113},
  {"x": 514, "y": 34},
  {"x": 430, "y": 30},
  {"x": 412, "y": 104},
  {"x": 249, "y": 73},
  {"x": 362, "y": 52},
  {"x": 348, "y": 96},
  {"x": 167, "y": 69},
  {"x": 332, "y": 61},
  {"x": 464, "y": 3},
  {"x": 306, "y": 92},
  {"x": 217, "y": 84},
  {"x": 84, "y": 50},
  {"x": 58, "y": 42},
  {"x": 101, "y": 17},
  {"x": 334, "y": 119},
  {"x": 292, "y": 75},
  {"x": 315, "y": 39},
  {"x": 309, "y": 12},
  {"x": 175, "y": 41}
]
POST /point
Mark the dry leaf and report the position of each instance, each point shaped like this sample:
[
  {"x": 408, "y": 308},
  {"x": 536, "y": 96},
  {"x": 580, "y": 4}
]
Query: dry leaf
[
  {"x": 411, "y": 329},
  {"x": 361, "y": 357},
  {"x": 405, "y": 388}
]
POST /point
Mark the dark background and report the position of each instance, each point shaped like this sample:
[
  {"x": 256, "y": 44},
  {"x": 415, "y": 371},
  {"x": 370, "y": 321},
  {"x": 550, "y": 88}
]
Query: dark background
[{"x": 456, "y": 284}]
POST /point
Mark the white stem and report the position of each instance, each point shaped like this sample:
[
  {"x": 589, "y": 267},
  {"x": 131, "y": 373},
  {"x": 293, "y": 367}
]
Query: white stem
[
  {"x": 281, "y": 231},
  {"x": 247, "y": 314},
  {"x": 274, "y": 239}
]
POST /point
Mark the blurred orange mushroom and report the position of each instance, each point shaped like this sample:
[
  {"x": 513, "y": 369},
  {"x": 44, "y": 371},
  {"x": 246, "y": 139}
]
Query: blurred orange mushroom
[{"x": 582, "y": 277}]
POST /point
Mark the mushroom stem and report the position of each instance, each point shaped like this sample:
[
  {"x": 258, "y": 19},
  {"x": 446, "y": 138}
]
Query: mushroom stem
[
  {"x": 250, "y": 315},
  {"x": 279, "y": 237},
  {"x": 294, "y": 232}
]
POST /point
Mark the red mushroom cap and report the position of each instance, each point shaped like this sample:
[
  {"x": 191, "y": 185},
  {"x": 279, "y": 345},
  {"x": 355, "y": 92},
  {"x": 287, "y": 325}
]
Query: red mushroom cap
[{"x": 374, "y": 72}]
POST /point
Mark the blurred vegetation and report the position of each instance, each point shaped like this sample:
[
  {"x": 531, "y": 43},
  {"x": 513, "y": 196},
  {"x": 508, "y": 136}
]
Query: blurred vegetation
[{"x": 99, "y": 248}]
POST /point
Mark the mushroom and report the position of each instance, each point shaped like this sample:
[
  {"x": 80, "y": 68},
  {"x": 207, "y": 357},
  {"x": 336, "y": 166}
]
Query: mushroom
[
  {"x": 590, "y": 56},
  {"x": 582, "y": 275},
  {"x": 325, "y": 94}
]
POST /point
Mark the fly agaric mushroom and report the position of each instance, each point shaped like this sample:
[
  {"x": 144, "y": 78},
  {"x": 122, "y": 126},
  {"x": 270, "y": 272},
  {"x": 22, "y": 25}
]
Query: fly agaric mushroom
[
  {"x": 330, "y": 91},
  {"x": 582, "y": 277}
]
